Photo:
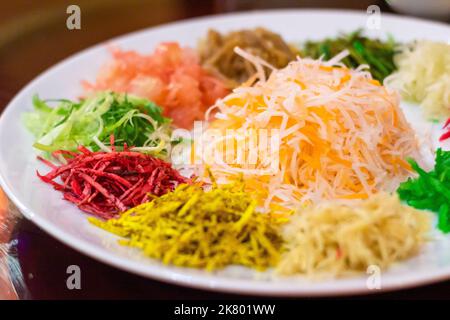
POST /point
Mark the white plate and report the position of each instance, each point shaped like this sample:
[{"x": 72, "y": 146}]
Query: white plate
[{"x": 44, "y": 206}]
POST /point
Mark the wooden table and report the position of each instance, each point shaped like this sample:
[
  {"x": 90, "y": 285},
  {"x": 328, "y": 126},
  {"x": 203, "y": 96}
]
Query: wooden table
[{"x": 33, "y": 36}]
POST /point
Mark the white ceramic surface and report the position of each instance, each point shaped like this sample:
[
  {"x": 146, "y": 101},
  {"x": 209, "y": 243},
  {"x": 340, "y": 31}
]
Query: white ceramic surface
[
  {"x": 439, "y": 9},
  {"x": 44, "y": 206}
]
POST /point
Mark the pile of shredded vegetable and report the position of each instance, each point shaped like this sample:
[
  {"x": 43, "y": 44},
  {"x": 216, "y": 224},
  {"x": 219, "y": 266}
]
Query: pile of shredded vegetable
[
  {"x": 133, "y": 121},
  {"x": 338, "y": 239},
  {"x": 423, "y": 76},
  {"x": 375, "y": 53},
  {"x": 217, "y": 54},
  {"x": 192, "y": 227},
  {"x": 342, "y": 134},
  {"x": 107, "y": 183},
  {"x": 171, "y": 76}
]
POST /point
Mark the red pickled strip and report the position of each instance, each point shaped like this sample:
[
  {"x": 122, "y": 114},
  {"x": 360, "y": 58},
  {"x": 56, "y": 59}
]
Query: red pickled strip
[
  {"x": 46, "y": 162},
  {"x": 84, "y": 150},
  {"x": 112, "y": 176},
  {"x": 445, "y": 136},
  {"x": 112, "y": 143},
  {"x": 55, "y": 185},
  {"x": 76, "y": 187},
  {"x": 127, "y": 193},
  {"x": 103, "y": 191},
  {"x": 447, "y": 123}
]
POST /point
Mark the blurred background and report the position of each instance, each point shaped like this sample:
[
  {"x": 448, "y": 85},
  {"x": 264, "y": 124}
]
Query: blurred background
[
  {"x": 33, "y": 37},
  {"x": 33, "y": 34}
]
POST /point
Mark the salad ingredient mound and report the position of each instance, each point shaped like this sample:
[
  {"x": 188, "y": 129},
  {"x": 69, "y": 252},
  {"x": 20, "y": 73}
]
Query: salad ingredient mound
[
  {"x": 430, "y": 190},
  {"x": 107, "y": 183},
  {"x": 377, "y": 54},
  {"x": 217, "y": 54},
  {"x": 133, "y": 121},
  {"x": 423, "y": 76},
  {"x": 342, "y": 135},
  {"x": 338, "y": 239},
  {"x": 171, "y": 76},
  {"x": 191, "y": 227}
]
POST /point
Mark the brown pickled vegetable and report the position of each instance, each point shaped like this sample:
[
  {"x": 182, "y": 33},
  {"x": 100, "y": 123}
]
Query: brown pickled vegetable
[{"x": 218, "y": 57}]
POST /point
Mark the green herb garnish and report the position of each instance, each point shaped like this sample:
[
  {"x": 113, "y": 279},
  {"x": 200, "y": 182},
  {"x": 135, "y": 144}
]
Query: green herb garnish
[
  {"x": 133, "y": 121},
  {"x": 373, "y": 52},
  {"x": 430, "y": 190}
]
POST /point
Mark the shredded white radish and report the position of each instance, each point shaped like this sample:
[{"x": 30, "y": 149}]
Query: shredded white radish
[
  {"x": 342, "y": 134},
  {"x": 423, "y": 76}
]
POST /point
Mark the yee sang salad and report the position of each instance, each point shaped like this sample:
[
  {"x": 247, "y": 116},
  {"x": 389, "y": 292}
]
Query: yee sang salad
[{"x": 349, "y": 187}]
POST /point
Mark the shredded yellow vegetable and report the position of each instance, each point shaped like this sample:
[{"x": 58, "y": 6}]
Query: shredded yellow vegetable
[
  {"x": 337, "y": 239},
  {"x": 342, "y": 134},
  {"x": 191, "y": 227}
]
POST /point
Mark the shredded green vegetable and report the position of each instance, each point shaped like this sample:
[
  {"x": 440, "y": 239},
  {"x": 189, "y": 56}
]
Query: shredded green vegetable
[
  {"x": 134, "y": 121},
  {"x": 430, "y": 190},
  {"x": 373, "y": 52},
  {"x": 192, "y": 227}
]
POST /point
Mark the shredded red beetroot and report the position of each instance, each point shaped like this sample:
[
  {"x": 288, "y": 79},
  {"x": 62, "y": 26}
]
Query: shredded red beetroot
[{"x": 107, "y": 183}]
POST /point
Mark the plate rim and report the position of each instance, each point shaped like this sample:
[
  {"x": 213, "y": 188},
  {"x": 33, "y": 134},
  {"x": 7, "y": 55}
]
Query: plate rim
[{"x": 219, "y": 284}]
